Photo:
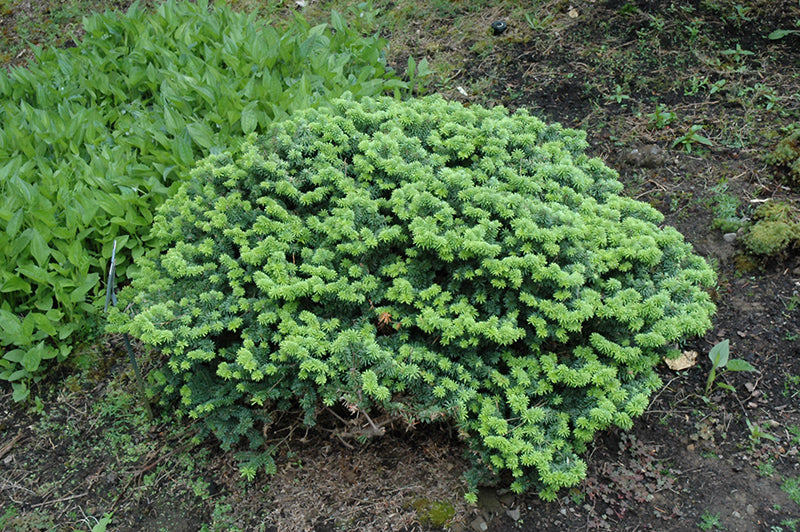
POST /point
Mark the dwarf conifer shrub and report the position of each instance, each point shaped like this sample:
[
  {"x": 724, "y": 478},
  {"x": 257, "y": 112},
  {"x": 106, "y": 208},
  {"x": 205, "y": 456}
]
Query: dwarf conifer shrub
[{"x": 423, "y": 260}]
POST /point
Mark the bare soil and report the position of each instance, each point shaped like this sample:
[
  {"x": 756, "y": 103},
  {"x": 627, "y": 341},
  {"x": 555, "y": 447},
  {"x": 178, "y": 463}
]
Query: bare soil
[{"x": 726, "y": 462}]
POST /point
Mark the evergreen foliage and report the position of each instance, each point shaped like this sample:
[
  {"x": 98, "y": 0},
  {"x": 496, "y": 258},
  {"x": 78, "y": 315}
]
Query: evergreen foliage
[{"x": 423, "y": 259}]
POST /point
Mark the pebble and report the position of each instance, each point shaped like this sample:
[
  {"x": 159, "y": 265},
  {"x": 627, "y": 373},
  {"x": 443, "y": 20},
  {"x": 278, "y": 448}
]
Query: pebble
[
  {"x": 751, "y": 510},
  {"x": 479, "y": 525},
  {"x": 730, "y": 237},
  {"x": 649, "y": 156}
]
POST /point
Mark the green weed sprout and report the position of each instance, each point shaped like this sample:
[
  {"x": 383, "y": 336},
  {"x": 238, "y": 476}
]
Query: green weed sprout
[
  {"x": 692, "y": 137},
  {"x": 720, "y": 359},
  {"x": 757, "y": 433}
]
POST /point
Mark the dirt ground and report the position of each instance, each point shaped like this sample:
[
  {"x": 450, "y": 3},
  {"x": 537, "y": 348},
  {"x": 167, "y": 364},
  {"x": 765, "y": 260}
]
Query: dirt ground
[{"x": 86, "y": 449}]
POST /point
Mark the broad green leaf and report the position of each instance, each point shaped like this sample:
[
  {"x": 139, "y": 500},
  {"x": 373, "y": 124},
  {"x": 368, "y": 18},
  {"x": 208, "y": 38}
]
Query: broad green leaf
[
  {"x": 112, "y": 205},
  {"x": 40, "y": 275},
  {"x": 737, "y": 364},
  {"x": 54, "y": 315},
  {"x": 33, "y": 357},
  {"x": 337, "y": 22},
  {"x": 10, "y": 329},
  {"x": 173, "y": 120},
  {"x": 201, "y": 134},
  {"x": 411, "y": 67},
  {"x": 39, "y": 248},
  {"x": 780, "y": 34},
  {"x": 14, "y": 224},
  {"x": 64, "y": 331},
  {"x": 249, "y": 118},
  {"x": 20, "y": 391},
  {"x": 183, "y": 148},
  {"x": 16, "y": 375},
  {"x": 719, "y": 354},
  {"x": 80, "y": 292},
  {"x": 15, "y": 355},
  {"x": 21, "y": 242},
  {"x": 44, "y": 324},
  {"x": 15, "y": 284}
]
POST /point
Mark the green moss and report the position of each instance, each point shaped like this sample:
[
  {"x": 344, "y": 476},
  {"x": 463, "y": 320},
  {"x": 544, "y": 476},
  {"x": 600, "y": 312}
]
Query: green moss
[
  {"x": 434, "y": 513},
  {"x": 745, "y": 264},
  {"x": 786, "y": 155},
  {"x": 776, "y": 229}
]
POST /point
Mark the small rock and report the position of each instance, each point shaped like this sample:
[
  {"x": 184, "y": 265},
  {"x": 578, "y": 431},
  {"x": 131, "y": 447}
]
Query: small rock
[
  {"x": 479, "y": 525},
  {"x": 648, "y": 156},
  {"x": 690, "y": 447},
  {"x": 507, "y": 499},
  {"x": 751, "y": 510},
  {"x": 730, "y": 237},
  {"x": 736, "y": 515},
  {"x": 514, "y": 514}
]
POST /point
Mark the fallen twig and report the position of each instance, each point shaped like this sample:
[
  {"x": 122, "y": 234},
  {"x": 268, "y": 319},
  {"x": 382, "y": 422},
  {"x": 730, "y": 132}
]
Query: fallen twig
[
  {"x": 10, "y": 445},
  {"x": 62, "y": 499}
]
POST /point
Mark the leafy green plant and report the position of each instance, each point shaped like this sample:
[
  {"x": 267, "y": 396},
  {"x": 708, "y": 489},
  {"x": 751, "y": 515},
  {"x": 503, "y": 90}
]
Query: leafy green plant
[
  {"x": 781, "y": 33},
  {"x": 794, "y": 430},
  {"x": 725, "y": 207},
  {"x": 93, "y": 138},
  {"x": 416, "y": 261},
  {"x": 710, "y": 521},
  {"x": 691, "y": 138},
  {"x": 618, "y": 96},
  {"x": 791, "y": 524},
  {"x": 102, "y": 524},
  {"x": 720, "y": 360},
  {"x": 8, "y": 516},
  {"x": 417, "y": 75},
  {"x": 792, "y": 488},
  {"x": 757, "y": 433},
  {"x": 766, "y": 469},
  {"x": 661, "y": 117},
  {"x": 738, "y": 54},
  {"x": 541, "y": 23}
]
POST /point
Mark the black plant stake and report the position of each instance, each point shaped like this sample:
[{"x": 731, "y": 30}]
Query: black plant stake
[{"x": 111, "y": 298}]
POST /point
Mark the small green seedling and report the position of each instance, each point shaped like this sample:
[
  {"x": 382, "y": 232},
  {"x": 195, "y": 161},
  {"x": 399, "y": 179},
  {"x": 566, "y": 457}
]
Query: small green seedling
[
  {"x": 691, "y": 137},
  {"x": 720, "y": 359},
  {"x": 757, "y": 433},
  {"x": 710, "y": 521}
]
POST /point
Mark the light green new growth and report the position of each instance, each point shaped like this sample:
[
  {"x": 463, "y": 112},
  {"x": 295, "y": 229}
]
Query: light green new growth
[{"x": 428, "y": 260}]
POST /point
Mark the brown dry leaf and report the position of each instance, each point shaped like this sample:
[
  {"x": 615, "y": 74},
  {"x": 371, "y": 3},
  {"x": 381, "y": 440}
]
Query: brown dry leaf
[{"x": 686, "y": 360}]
